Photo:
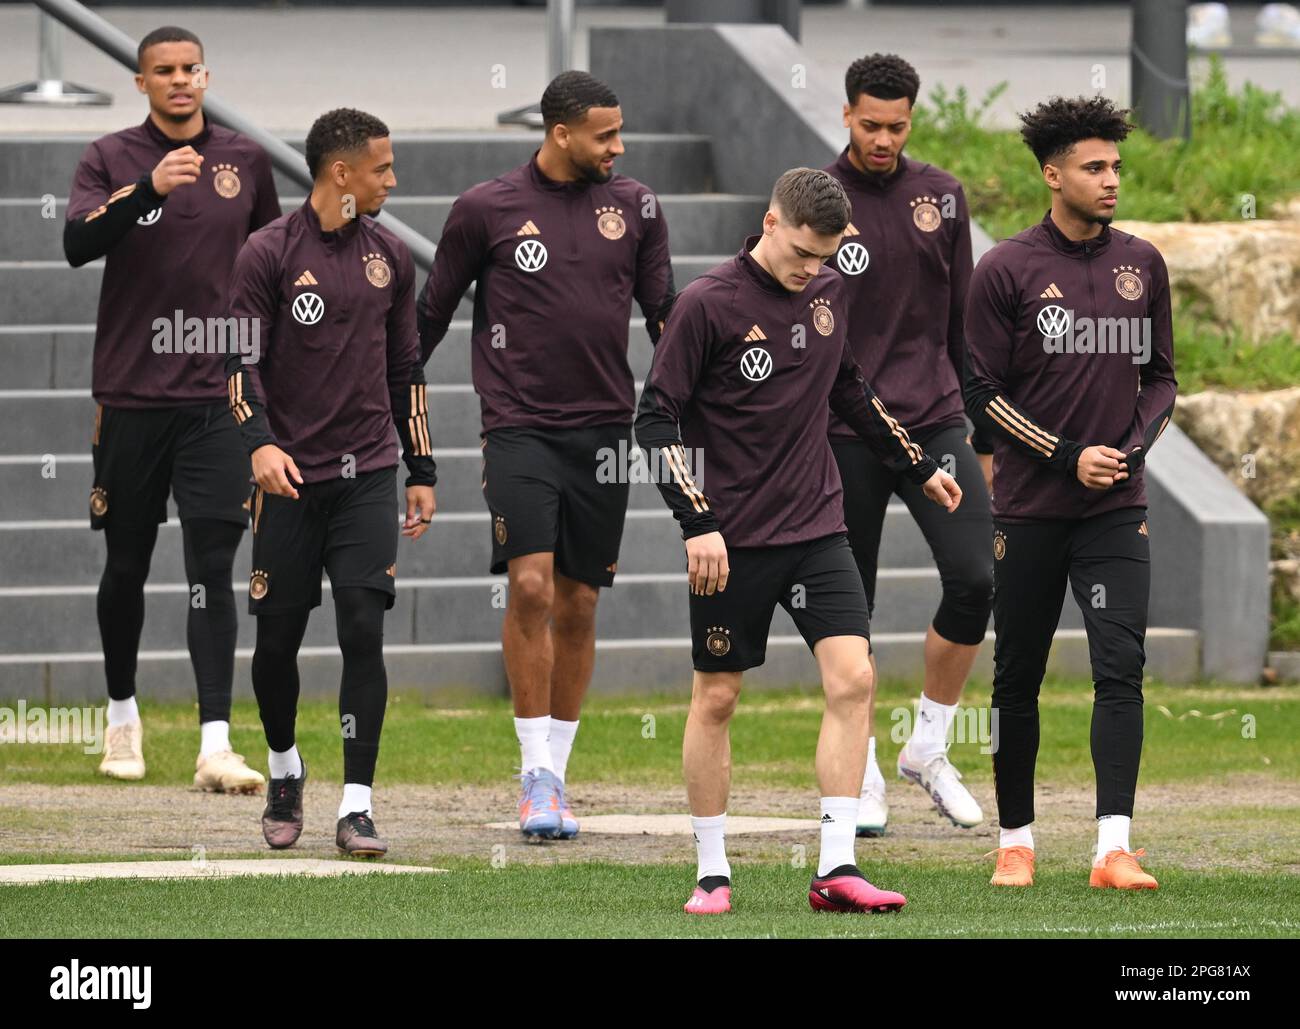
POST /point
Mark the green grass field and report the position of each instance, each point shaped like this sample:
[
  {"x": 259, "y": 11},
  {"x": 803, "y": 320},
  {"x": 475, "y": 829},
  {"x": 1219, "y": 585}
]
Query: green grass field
[{"x": 1216, "y": 761}]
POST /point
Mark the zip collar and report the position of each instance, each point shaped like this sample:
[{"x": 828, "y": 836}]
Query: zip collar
[{"x": 1077, "y": 248}]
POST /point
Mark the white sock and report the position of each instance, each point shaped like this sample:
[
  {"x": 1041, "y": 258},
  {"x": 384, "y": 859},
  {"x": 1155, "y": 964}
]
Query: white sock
[
  {"x": 355, "y": 798},
  {"x": 710, "y": 846},
  {"x": 534, "y": 750},
  {"x": 562, "y": 734},
  {"x": 282, "y": 764},
  {"x": 839, "y": 825},
  {"x": 1112, "y": 834},
  {"x": 1022, "y": 837},
  {"x": 872, "y": 776},
  {"x": 214, "y": 737},
  {"x": 122, "y": 712},
  {"x": 930, "y": 737}
]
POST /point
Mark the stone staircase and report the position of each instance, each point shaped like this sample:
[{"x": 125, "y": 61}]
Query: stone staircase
[{"x": 443, "y": 632}]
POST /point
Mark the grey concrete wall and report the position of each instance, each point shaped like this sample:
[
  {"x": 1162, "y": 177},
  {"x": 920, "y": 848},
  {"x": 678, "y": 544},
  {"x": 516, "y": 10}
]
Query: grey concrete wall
[{"x": 767, "y": 103}]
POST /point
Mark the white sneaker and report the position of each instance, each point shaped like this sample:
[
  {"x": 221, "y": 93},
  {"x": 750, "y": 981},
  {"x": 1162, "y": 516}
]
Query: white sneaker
[
  {"x": 123, "y": 752},
  {"x": 943, "y": 782},
  {"x": 225, "y": 772},
  {"x": 1278, "y": 25},
  {"x": 873, "y": 812},
  {"x": 1208, "y": 27}
]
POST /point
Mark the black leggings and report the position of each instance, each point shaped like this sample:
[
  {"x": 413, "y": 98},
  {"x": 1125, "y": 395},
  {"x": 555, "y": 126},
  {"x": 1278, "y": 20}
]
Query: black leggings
[
  {"x": 959, "y": 541},
  {"x": 359, "y": 615},
  {"x": 1105, "y": 560},
  {"x": 211, "y": 623}
]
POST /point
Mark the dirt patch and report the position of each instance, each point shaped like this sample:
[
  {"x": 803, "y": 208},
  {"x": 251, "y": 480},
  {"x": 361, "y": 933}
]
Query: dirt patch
[{"x": 1248, "y": 822}]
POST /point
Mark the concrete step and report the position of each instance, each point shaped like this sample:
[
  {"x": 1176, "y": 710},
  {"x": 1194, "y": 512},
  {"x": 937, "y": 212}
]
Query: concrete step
[
  {"x": 37, "y": 291},
  {"x": 697, "y": 222},
  {"x": 60, "y": 357},
  {"x": 622, "y": 666},
  {"x": 442, "y": 611},
  {"x": 425, "y": 162},
  {"x": 66, "y": 553}
]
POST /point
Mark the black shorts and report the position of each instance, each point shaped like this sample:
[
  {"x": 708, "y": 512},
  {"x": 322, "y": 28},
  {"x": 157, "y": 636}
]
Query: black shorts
[
  {"x": 816, "y": 582},
  {"x": 552, "y": 491},
  {"x": 140, "y": 454},
  {"x": 348, "y": 527}
]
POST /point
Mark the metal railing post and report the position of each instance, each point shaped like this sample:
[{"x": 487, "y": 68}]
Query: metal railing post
[{"x": 49, "y": 87}]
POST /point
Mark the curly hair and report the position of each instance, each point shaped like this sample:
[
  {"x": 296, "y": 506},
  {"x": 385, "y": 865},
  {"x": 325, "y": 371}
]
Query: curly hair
[
  {"x": 886, "y": 76},
  {"x": 571, "y": 95},
  {"x": 1052, "y": 128},
  {"x": 340, "y": 131},
  {"x": 807, "y": 196}
]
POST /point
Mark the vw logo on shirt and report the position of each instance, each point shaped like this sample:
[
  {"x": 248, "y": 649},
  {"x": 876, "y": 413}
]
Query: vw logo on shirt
[
  {"x": 150, "y": 218},
  {"x": 1053, "y": 321},
  {"x": 308, "y": 308},
  {"x": 530, "y": 255},
  {"x": 756, "y": 364},
  {"x": 853, "y": 259}
]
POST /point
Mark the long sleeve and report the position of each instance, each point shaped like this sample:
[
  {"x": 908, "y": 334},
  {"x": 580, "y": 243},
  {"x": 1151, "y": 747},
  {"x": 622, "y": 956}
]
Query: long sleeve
[
  {"x": 407, "y": 391},
  {"x": 864, "y": 412},
  {"x": 266, "y": 206},
  {"x": 654, "y": 288},
  {"x": 254, "y": 294},
  {"x": 989, "y": 332},
  {"x": 461, "y": 253},
  {"x": 678, "y": 363},
  {"x": 1159, "y": 387},
  {"x": 960, "y": 267},
  {"x": 99, "y": 213}
]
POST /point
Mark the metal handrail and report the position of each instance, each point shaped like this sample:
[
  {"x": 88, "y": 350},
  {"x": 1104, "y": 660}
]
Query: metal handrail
[{"x": 118, "y": 45}]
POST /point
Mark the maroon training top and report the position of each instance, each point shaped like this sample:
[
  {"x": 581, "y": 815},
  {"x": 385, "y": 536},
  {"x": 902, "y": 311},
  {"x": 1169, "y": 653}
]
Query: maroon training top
[
  {"x": 557, "y": 266},
  {"x": 340, "y": 358},
  {"x": 1056, "y": 333},
  {"x": 745, "y": 368},
  {"x": 164, "y": 254},
  {"x": 906, "y": 262}
]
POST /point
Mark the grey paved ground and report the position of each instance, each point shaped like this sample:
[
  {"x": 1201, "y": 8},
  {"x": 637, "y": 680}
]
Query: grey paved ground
[{"x": 435, "y": 69}]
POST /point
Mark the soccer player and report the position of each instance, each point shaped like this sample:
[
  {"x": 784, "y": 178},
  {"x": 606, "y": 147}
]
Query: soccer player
[
  {"x": 168, "y": 203},
  {"x": 753, "y": 358},
  {"x": 906, "y": 262},
  {"x": 559, "y": 247},
  {"x": 1070, "y": 369},
  {"x": 334, "y": 295}
]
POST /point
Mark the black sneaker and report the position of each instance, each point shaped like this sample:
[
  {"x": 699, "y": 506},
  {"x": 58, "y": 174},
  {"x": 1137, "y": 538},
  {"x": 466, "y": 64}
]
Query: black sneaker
[
  {"x": 282, "y": 817},
  {"x": 357, "y": 837}
]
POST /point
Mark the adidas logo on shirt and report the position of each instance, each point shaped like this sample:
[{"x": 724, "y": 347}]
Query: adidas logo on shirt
[
  {"x": 852, "y": 230},
  {"x": 529, "y": 229},
  {"x": 754, "y": 335},
  {"x": 1051, "y": 292},
  {"x": 306, "y": 279}
]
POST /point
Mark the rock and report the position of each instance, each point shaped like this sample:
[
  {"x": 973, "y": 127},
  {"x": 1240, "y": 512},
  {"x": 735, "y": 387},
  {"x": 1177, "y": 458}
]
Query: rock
[
  {"x": 1238, "y": 275},
  {"x": 1253, "y": 437}
]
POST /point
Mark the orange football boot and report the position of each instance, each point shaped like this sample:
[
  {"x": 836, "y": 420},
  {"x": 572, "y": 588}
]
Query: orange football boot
[
  {"x": 1121, "y": 870},
  {"x": 1015, "y": 866}
]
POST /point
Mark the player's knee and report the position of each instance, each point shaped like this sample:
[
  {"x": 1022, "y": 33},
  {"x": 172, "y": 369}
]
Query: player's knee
[
  {"x": 360, "y": 632},
  {"x": 576, "y": 614},
  {"x": 532, "y": 594},
  {"x": 715, "y": 696},
  {"x": 852, "y": 687}
]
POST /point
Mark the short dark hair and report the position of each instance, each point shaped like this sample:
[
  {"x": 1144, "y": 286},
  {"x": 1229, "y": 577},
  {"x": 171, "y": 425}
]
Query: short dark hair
[
  {"x": 340, "y": 131},
  {"x": 886, "y": 76},
  {"x": 1052, "y": 128},
  {"x": 165, "y": 34},
  {"x": 571, "y": 95},
  {"x": 808, "y": 196}
]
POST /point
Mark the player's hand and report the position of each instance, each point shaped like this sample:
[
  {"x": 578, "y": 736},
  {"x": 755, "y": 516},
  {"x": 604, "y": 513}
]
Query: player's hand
[
  {"x": 272, "y": 468},
  {"x": 179, "y": 168},
  {"x": 942, "y": 488},
  {"x": 706, "y": 564},
  {"x": 1101, "y": 467},
  {"x": 420, "y": 506}
]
